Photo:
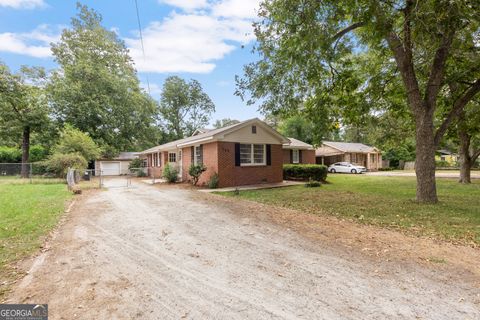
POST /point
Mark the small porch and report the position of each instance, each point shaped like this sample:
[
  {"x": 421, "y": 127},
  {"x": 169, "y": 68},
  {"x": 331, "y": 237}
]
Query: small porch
[{"x": 157, "y": 160}]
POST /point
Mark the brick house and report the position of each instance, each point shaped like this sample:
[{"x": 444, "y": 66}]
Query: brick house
[
  {"x": 297, "y": 151},
  {"x": 357, "y": 153},
  {"x": 249, "y": 152}
]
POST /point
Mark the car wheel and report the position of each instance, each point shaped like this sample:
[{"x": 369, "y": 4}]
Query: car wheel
[
  {"x": 332, "y": 171},
  {"x": 354, "y": 171}
]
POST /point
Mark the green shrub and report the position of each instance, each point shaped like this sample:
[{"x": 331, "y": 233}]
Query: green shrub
[
  {"x": 195, "y": 171},
  {"x": 141, "y": 173},
  {"x": 305, "y": 172},
  {"x": 136, "y": 163},
  {"x": 213, "y": 181},
  {"x": 442, "y": 164},
  {"x": 59, "y": 163},
  {"x": 10, "y": 155},
  {"x": 170, "y": 173},
  {"x": 73, "y": 140},
  {"x": 38, "y": 153},
  {"x": 386, "y": 169},
  {"x": 313, "y": 184}
]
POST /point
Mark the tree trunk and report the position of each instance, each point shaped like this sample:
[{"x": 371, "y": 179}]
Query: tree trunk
[
  {"x": 425, "y": 159},
  {"x": 25, "y": 152},
  {"x": 464, "y": 151}
]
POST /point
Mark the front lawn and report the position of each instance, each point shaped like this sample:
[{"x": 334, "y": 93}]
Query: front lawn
[
  {"x": 387, "y": 202},
  {"x": 27, "y": 213}
]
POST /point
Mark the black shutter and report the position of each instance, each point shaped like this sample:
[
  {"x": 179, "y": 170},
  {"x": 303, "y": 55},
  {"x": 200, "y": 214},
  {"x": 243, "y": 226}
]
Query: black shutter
[
  {"x": 237, "y": 154},
  {"x": 300, "y": 156},
  {"x": 291, "y": 156},
  {"x": 192, "y": 151},
  {"x": 269, "y": 155},
  {"x": 201, "y": 154}
]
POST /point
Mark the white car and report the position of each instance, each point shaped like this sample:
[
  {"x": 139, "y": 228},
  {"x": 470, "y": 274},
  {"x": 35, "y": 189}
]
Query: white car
[{"x": 346, "y": 167}]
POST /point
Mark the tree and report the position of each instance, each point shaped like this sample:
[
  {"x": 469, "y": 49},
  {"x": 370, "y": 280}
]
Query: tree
[
  {"x": 224, "y": 123},
  {"x": 75, "y": 141},
  {"x": 468, "y": 129},
  {"x": 97, "y": 90},
  {"x": 311, "y": 51},
  {"x": 195, "y": 171},
  {"x": 23, "y": 106},
  {"x": 297, "y": 127},
  {"x": 184, "y": 107}
]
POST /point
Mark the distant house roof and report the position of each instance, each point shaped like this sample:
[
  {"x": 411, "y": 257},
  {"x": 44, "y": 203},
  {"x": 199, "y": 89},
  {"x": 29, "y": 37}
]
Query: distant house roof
[
  {"x": 331, "y": 148},
  {"x": 446, "y": 152},
  {"x": 212, "y": 135},
  {"x": 297, "y": 144}
]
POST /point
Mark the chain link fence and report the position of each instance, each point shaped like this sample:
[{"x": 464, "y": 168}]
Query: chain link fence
[{"x": 18, "y": 173}]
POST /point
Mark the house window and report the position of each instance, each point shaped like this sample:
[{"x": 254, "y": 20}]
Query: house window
[
  {"x": 198, "y": 159},
  {"x": 252, "y": 154},
  {"x": 443, "y": 158},
  {"x": 254, "y": 129},
  {"x": 172, "y": 157},
  {"x": 295, "y": 156}
]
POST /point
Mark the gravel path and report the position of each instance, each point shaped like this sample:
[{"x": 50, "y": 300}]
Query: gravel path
[{"x": 165, "y": 253}]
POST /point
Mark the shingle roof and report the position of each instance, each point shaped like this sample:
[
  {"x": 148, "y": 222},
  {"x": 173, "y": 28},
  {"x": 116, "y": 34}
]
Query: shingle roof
[
  {"x": 200, "y": 137},
  {"x": 350, "y": 146},
  {"x": 297, "y": 144}
]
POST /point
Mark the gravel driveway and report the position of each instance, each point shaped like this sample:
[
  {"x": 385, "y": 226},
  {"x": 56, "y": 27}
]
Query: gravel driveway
[{"x": 165, "y": 253}]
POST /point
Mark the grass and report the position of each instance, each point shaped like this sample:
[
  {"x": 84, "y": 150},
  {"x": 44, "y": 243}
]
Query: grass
[
  {"x": 27, "y": 213},
  {"x": 387, "y": 202}
]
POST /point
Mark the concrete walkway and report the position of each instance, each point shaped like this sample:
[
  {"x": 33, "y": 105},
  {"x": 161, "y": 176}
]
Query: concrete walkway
[{"x": 256, "y": 186}]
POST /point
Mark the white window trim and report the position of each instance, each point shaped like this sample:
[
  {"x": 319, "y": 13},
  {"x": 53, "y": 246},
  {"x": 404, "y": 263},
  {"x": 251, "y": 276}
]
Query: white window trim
[
  {"x": 195, "y": 154},
  {"x": 172, "y": 153},
  {"x": 295, "y": 152},
  {"x": 252, "y": 157}
]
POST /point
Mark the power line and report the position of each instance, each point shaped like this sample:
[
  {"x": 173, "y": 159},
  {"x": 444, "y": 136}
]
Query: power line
[{"x": 141, "y": 41}]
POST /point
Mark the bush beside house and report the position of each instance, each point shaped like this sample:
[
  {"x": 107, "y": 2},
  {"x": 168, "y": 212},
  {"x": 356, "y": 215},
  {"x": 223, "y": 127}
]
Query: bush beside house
[{"x": 305, "y": 172}]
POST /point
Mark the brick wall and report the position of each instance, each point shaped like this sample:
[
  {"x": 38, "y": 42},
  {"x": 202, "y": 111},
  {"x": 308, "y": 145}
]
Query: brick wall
[
  {"x": 286, "y": 156},
  {"x": 230, "y": 175},
  {"x": 308, "y": 156},
  {"x": 210, "y": 160}
]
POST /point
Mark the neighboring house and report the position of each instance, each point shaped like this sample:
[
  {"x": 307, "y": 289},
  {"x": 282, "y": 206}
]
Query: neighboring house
[
  {"x": 116, "y": 166},
  {"x": 297, "y": 151},
  {"x": 450, "y": 157},
  {"x": 356, "y": 153},
  {"x": 249, "y": 152}
]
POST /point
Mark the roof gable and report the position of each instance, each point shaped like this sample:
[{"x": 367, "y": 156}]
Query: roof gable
[{"x": 216, "y": 135}]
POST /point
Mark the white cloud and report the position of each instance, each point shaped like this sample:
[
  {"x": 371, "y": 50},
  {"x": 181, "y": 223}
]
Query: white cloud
[
  {"x": 35, "y": 43},
  {"x": 192, "y": 41},
  {"x": 186, "y": 4},
  {"x": 246, "y": 9},
  {"x": 22, "y": 4}
]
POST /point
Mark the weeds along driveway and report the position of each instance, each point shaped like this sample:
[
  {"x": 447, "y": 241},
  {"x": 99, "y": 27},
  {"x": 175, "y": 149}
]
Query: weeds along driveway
[{"x": 154, "y": 252}]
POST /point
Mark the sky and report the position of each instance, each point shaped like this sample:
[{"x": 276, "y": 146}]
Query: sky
[{"x": 206, "y": 40}]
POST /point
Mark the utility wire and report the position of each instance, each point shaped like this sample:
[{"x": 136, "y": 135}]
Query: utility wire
[{"x": 141, "y": 41}]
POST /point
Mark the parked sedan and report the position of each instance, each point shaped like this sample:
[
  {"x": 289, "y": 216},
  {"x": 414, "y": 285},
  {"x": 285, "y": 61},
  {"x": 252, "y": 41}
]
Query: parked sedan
[{"x": 346, "y": 167}]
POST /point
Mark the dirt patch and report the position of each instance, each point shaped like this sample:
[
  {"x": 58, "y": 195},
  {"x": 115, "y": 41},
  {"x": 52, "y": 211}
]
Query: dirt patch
[
  {"x": 165, "y": 252},
  {"x": 378, "y": 244}
]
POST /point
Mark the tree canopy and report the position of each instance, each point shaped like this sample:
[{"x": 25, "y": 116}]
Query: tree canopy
[
  {"x": 335, "y": 58},
  {"x": 96, "y": 88},
  {"x": 184, "y": 107}
]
